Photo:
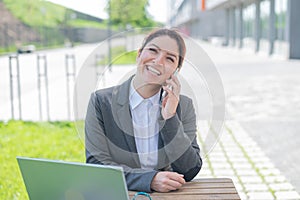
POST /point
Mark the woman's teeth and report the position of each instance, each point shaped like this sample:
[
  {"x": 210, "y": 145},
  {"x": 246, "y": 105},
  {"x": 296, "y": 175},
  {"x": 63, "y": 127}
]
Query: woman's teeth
[{"x": 151, "y": 69}]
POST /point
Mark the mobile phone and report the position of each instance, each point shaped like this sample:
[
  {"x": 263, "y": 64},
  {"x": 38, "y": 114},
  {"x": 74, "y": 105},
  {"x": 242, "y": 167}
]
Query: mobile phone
[{"x": 164, "y": 94}]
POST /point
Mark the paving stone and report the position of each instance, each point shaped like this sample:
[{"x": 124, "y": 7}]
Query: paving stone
[
  {"x": 218, "y": 159},
  {"x": 216, "y": 154},
  {"x": 269, "y": 172},
  {"x": 264, "y": 165},
  {"x": 205, "y": 167},
  {"x": 256, "y": 152},
  {"x": 253, "y": 151},
  {"x": 281, "y": 186},
  {"x": 244, "y": 165},
  {"x": 223, "y": 172},
  {"x": 245, "y": 140},
  {"x": 204, "y": 172},
  {"x": 246, "y": 172},
  {"x": 238, "y": 159},
  {"x": 235, "y": 180},
  {"x": 205, "y": 164},
  {"x": 231, "y": 149},
  {"x": 258, "y": 159},
  {"x": 251, "y": 179},
  {"x": 239, "y": 187},
  {"x": 236, "y": 154},
  {"x": 243, "y": 195},
  {"x": 203, "y": 176},
  {"x": 243, "y": 137},
  {"x": 275, "y": 179},
  {"x": 260, "y": 196},
  {"x": 217, "y": 147},
  {"x": 229, "y": 144},
  {"x": 261, "y": 187},
  {"x": 227, "y": 138},
  {"x": 288, "y": 195},
  {"x": 250, "y": 148},
  {"x": 221, "y": 165}
]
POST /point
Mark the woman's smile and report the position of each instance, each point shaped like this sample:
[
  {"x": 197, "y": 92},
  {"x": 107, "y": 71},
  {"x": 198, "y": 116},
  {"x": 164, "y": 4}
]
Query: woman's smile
[{"x": 152, "y": 70}]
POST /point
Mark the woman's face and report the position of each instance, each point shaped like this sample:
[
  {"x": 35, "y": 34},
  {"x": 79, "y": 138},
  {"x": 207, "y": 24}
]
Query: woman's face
[{"x": 157, "y": 61}]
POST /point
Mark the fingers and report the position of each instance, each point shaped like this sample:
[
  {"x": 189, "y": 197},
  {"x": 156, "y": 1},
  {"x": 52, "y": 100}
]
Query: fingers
[
  {"x": 171, "y": 100},
  {"x": 175, "y": 182},
  {"x": 167, "y": 181},
  {"x": 176, "y": 80},
  {"x": 174, "y": 86},
  {"x": 178, "y": 178}
]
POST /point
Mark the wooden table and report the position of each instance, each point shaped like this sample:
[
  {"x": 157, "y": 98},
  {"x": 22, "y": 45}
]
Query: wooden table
[{"x": 211, "y": 188}]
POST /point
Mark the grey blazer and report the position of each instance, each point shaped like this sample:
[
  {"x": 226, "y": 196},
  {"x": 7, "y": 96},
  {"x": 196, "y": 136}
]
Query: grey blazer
[{"x": 109, "y": 138}]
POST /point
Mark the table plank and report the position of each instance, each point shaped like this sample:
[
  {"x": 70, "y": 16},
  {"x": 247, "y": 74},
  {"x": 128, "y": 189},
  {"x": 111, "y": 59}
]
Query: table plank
[
  {"x": 213, "y": 180},
  {"x": 196, "y": 197},
  {"x": 213, "y": 188},
  {"x": 207, "y": 185},
  {"x": 204, "y": 191}
]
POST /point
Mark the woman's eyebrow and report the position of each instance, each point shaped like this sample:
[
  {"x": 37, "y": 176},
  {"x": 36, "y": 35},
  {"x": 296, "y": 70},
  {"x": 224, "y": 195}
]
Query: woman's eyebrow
[{"x": 168, "y": 52}]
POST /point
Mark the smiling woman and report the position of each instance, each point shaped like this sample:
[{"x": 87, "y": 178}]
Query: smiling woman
[{"x": 153, "y": 137}]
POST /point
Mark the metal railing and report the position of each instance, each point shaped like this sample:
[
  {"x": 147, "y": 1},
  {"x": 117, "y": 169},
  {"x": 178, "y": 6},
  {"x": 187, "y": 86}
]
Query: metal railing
[{"x": 41, "y": 87}]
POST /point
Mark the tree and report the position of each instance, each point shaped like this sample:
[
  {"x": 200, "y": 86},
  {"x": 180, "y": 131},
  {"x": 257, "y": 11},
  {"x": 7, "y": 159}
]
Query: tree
[{"x": 130, "y": 12}]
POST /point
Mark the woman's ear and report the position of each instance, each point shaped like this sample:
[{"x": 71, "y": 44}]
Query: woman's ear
[{"x": 138, "y": 53}]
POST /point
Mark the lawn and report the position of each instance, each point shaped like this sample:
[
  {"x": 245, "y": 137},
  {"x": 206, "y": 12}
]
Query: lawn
[
  {"x": 51, "y": 140},
  {"x": 120, "y": 56}
]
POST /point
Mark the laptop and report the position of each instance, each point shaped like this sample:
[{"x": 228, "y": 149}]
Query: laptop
[{"x": 58, "y": 180}]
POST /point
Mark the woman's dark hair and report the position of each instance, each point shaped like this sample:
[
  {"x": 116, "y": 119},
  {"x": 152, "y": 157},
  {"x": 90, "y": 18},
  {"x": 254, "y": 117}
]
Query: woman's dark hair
[{"x": 172, "y": 34}]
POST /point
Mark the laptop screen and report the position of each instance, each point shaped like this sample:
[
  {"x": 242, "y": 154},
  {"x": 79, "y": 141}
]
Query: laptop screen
[{"x": 59, "y": 180}]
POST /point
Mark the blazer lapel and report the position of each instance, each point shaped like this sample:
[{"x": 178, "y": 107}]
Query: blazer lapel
[
  {"x": 163, "y": 160},
  {"x": 120, "y": 105}
]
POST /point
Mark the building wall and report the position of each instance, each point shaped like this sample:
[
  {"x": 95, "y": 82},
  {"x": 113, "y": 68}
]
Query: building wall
[
  {"x": 202, "y": 25},
  {"x": 269, "y": 26}
]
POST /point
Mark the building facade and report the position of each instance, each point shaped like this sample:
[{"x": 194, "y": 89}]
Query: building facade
[{"x": 268, "y": 26}]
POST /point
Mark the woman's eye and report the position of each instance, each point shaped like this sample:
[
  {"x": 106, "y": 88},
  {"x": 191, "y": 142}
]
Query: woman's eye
[
  {"x": 153, "y": 50},
  {"x": 171, "y": 59}
]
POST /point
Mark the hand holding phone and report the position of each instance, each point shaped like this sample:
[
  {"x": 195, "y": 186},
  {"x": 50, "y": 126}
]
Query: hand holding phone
[
  {"x": 170, "y": 97},
  {"x": 164, "y": 94}
]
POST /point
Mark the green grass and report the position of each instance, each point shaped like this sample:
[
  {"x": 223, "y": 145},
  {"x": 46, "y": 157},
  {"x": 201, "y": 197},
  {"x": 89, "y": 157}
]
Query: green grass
[
  {"x": 84, "y": 23},
  {"x": 120, "y": 56},
  {"x": 50, "y": 140},
  {"x": 9, "y": 49},
  {"x": 36, "y": 12}
]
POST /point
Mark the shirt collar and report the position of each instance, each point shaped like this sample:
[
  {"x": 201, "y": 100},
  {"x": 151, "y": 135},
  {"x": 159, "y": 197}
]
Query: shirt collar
[{"x": 135, "y": 98}]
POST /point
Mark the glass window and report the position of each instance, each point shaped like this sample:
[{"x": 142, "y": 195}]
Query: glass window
[
  {"x": 265, "y": 18},
  {"x": 237, "y": 22},
  {"x": 280, "y": 12},
  {"x": 248, "y": 20}
]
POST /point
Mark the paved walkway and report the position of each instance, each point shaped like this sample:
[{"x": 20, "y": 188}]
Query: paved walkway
[
  {"x": 239, "y": 157},
  {"x": 259, "y": 147}
]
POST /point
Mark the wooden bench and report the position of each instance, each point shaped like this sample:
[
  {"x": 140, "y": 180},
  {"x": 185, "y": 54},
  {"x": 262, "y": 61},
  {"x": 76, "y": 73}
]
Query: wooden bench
[{"x": 208, "y": 188}]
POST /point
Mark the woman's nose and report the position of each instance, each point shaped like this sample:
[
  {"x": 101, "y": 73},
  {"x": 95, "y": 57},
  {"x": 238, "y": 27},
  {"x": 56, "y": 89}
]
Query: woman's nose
[{"x": 159, "y": 60}]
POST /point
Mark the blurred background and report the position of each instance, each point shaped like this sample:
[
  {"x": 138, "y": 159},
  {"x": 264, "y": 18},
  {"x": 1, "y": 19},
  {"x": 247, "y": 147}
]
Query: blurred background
[{"x": 254, "y": 45}]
